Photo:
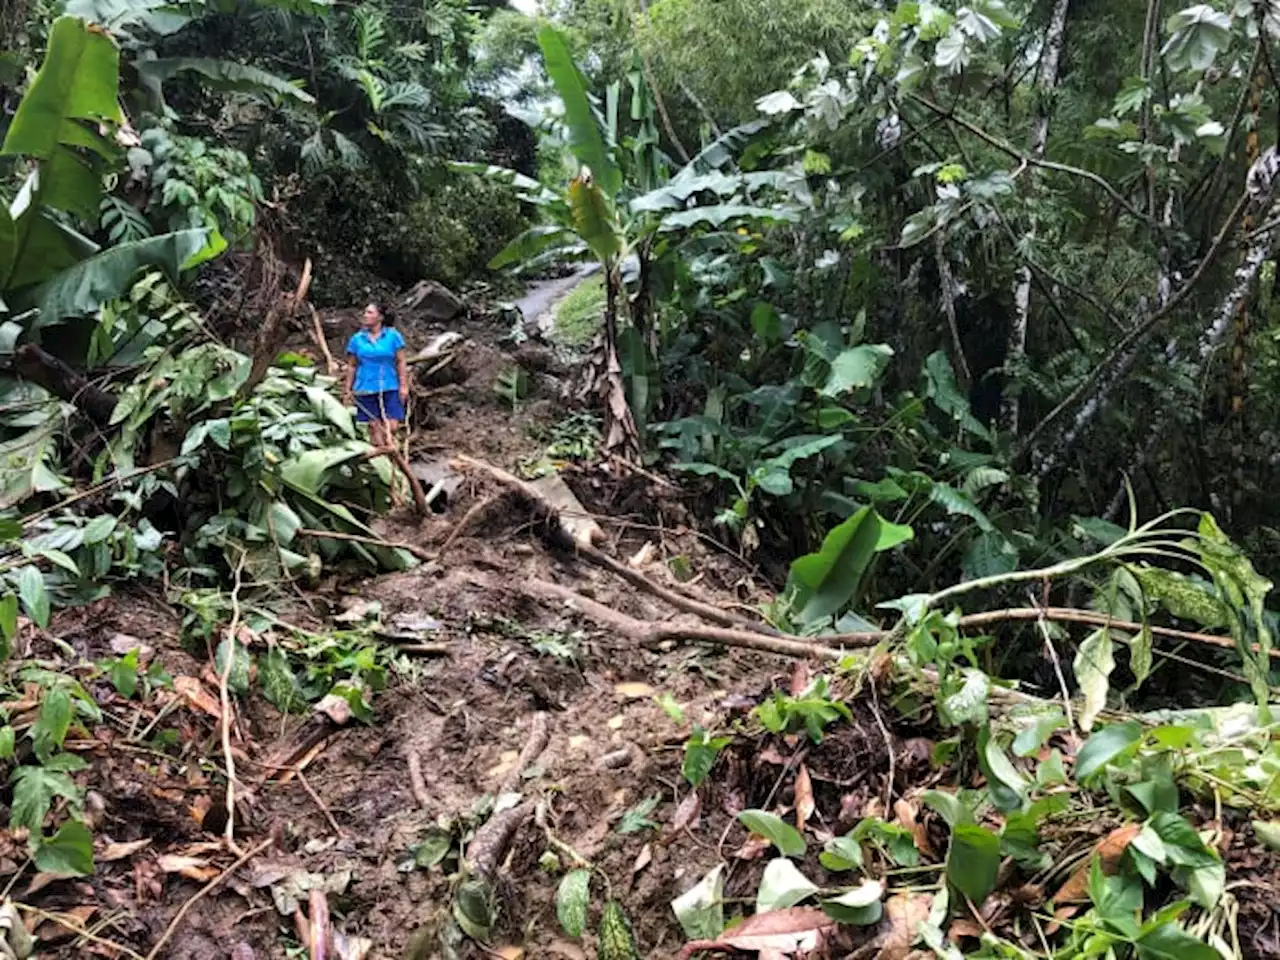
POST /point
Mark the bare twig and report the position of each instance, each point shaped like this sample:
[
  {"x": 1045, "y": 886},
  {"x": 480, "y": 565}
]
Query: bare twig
[
  {"x": 417, "y": 551},
  {"x": 202, "y": 893},
  {"x": 224, "y": 700},
  {"x": 315, "y": 797},
  {"x": 317, "y": 330},
  {"x": 319, "y": 933},
  {"x": 461, "y": 525},
  {"x": 72, "y": 924}
]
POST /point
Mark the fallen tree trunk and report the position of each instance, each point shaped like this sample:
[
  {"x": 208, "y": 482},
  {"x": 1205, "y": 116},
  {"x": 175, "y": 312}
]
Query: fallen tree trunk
[{"x": 42, "y": 368}]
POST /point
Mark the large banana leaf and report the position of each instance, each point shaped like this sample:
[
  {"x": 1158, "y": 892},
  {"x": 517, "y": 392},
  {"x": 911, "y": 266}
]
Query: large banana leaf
[
  {"x": 77, "y": 82},
  {"x": 222, "y": 75},
  {"x": 673, "y": 195},
  {"x": 586, "y": 139},
  {"x": 592, "y": 218},
  {"x": 57, "y": 120},
  {"x": 720, "y": 150},
  {"x": 719, "y": 215},
  {"x": 529, "y": 244},
  {"x": 161, "y": 17},
  {"x": 530, "y": 190},
  {"x": 82, "y": 288}
]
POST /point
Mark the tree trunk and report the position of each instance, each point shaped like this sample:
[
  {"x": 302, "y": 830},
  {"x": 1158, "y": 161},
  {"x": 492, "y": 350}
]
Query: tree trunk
[
  {"x": 1050, "y": 57},
  {"x": 43, "y": 368},
  {"x": 621, "y": 436}
]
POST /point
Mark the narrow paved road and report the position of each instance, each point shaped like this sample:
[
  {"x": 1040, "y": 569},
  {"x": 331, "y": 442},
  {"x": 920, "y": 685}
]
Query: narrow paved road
[{"x": 542, "y": 296}]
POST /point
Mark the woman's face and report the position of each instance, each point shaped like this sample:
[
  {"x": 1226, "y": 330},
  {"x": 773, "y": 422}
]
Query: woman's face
[{"x": 372, "y": 318}]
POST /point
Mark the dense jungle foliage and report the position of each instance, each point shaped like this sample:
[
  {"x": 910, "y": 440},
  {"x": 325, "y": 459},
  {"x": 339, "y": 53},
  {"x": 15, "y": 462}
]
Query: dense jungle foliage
[{"x": 924, "y": 304}]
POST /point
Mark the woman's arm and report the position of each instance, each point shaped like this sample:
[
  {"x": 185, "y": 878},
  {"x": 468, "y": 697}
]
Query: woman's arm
[
  {"x": 349, "y": 378},
  {"x": 402, "y": 372}
]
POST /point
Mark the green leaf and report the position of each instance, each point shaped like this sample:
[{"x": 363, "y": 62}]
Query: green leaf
[
  {"x": 586, "y": 139},
  {"x": 669, "y": 706},
  {"x": 782, "y": 886},
  {"x": 700, "y": 910},
  {"x": 572, "y": 897},
  {"x": 1105, "y": 746},
  {"x": 238, "y": 678},
  {"x": 822, "y": 584},
  {"x": 279, "y": 683},
  {"x": 1093, "y": 664},
  {"x": 1031, "y": 738},
  {"x": 770, "y": 826},
  {"x": 285, "y": 522},
  {"x": 1140, "y": 655},
  {"x": 1170, "y": 942},
  {"x": 8, "y": 623},
  {"x": 840, "y": 854},
  {"x": 69, "y": 851},
  {"x": 858, "y": 368},
  {"x": 50, "y": 729},
  {"x": 124, "y": 674},
  {"x": 700, "y": 752},
  {"x": 529, "y": 244},
  {"x": 6, "y": 742},
  {"x": 969, "y": 703},
  {"x": 33, "y": 791},
  {"x": 637, "y": 819},
  {"x": 82, "y": 288},
  {"x": 859, "y": 907},
  {"x": 1185, "y": 598},
  {"x": 222, "y": 75},
  {"x": 948, "y": 806},
  {"x": 35, "y": 599},
  {"x": 989, "y": 553},
  {"x": 941, "y": 387},
  {"x": 1267, "y": 831},
  {"x": 434, "y": 847},
  {"x": 1196, "y": 35},
  {"x": 326, "y": 405},
  {"x": 973, "y": 861},
  {"x": 1008, "y": 787}
]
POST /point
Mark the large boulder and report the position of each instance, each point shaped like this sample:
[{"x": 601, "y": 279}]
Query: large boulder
[{"x": 433, "y": 300}]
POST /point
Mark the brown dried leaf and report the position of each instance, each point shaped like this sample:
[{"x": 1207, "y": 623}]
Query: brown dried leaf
[
  {"x": 42, "y": 880},
  {"x": 754, "y": 848},
  {"x": 801, "y": 675},
  {"x": 643, "y": 860},
  {"x": 1109, "y": 850},
  {"x": 197, "y": 697},
  {"x": 804, "y": 797},
  {"x": 192, "y": 868},
  {"x": 963, "y": 927},
  {"x": 686, "y": 817},
  {"x": 781, "y": 931},
  {"x": 905, "y": 912},
  {"x": 118, "y": 851}
]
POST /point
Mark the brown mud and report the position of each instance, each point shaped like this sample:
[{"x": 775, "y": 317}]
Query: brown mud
[{"x": 466, "y": 715}]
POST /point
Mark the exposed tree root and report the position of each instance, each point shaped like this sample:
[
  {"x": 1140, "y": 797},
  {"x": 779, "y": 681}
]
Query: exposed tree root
[
  {"x": 489, "y": 847},
  {"x": 417, "y": 783},
  {"x": 539, "y": 737}
]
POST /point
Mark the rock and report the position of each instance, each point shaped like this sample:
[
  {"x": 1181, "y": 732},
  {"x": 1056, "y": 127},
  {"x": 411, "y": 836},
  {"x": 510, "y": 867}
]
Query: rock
[{"x": 436, "y": 301}]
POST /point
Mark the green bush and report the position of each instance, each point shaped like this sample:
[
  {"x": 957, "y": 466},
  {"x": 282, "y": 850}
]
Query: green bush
[{"x": 454, "y": 228}]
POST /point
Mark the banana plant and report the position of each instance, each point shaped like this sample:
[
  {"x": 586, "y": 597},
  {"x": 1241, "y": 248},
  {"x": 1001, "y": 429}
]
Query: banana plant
[{"x": 621, "y": 205}]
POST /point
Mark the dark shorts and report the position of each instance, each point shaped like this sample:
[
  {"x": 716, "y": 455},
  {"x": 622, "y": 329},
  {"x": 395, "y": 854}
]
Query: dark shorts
[{"x": 372, "y": 407}]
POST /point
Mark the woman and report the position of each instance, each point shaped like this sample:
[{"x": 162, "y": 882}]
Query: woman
[{"x": 377, "y": 375}]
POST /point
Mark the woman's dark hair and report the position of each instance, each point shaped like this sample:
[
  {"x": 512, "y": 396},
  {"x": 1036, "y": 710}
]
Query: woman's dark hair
[{"x": 388, "y": 317}]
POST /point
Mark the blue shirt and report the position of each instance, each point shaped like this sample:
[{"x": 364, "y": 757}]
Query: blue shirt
[{"x": 376, "y": 360}]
